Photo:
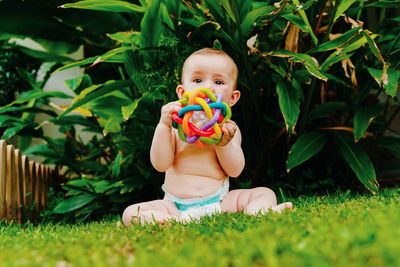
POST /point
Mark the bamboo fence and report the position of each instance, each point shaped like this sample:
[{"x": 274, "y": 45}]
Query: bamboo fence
[{"x": 24, "y": 185}]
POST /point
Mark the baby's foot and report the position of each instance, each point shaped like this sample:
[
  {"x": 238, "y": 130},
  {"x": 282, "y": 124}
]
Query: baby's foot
[
  {"x": 278, "y": 208},
  {"x": 282, "y": 206},
  {"x": 153, "y": 217}
]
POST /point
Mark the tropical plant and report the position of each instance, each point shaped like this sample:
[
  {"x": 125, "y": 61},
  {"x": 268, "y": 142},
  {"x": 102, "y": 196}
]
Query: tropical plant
[{"x": 311, "y": 75}]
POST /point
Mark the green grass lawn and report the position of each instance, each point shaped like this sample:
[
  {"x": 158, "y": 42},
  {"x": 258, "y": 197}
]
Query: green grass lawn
[{"x": 339, "y": 230}]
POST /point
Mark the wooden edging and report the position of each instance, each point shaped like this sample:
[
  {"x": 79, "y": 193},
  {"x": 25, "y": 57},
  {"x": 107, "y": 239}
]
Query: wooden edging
[{"x": 24, "y": 185}]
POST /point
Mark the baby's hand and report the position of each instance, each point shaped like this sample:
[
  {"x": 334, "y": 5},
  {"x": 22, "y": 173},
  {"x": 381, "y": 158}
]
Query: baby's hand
[
  {"x": 166, "y": 112},
  {"x": 229, "y": 128}
]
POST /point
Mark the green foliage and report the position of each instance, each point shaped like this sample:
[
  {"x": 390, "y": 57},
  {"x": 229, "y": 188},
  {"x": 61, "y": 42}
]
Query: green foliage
[
  {"x": 12, "y": 61},
  {"x": 314, "y": 70}
]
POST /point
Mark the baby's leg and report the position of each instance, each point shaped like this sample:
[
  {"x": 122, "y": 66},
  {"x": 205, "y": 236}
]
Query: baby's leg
[
  {"x": 147, "y": 212},
  {"x": 252, "y": 201}
]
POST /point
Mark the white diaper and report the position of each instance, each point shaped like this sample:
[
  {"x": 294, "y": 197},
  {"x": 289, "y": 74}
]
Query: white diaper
[{"x": 195, "y": 208}]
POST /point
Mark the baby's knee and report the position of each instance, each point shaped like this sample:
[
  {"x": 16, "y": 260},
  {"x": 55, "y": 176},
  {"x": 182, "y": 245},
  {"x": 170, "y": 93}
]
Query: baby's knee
[
  {"x": 264, "y": 192},
  {"x": 130, "y": 213}
]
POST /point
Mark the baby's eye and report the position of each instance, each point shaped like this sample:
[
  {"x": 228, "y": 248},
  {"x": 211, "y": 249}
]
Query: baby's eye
[
  {"x": 197, "y": 80},
  {"x": 219, "y": 82}
]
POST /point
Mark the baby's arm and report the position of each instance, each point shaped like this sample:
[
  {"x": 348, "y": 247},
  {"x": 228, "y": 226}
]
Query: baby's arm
[
  {"x": 163, "y": 146},
  {"x": 229, "y": 150}
]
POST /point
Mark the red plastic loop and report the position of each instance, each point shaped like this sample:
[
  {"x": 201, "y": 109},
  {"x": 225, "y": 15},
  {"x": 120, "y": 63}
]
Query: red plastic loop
[{"x": 192, "y": 127}]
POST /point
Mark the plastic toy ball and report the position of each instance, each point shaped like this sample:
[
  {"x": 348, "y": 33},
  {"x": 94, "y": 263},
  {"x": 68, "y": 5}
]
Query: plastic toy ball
[{"x": 197, "y": 127}]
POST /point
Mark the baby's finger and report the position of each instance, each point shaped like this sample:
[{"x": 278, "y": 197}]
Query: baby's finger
[{"x": 231, "y": 129}]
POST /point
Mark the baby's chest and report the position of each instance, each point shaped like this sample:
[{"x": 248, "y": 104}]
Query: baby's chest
[{"x": 194, "y": 155}]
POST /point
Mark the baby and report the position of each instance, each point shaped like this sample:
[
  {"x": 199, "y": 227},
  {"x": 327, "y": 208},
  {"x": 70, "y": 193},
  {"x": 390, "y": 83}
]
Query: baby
[{"x": 197, "y": 178}]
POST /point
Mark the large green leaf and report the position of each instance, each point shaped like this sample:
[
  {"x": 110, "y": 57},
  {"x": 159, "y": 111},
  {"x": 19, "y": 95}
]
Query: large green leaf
[
  {"x": 343, "y": 6},
  {"x": 306, "y": 22},
  {"x": 299, "y": 22},
  {"x": 323, "y": 110},
  {"x": 305, "y": 147},
  {"x": 385, "y": 4},
  {"x": 128, "y": 110},
  {"x": 106, "y": 5},
  {"x": 78, "y": 84},
  {"x": 357, "y": 42},
  {"x": 363, "y": 116},
  {"x": 244, "y": 8},
  {"x": 98, "y": 92},
  {"x": 151, "y": 26},
  {"x": 42, "y": 150},
  {"x": 215, "y": 8},
  {"x": 12, "y": 131},
  {"x": 228, "y": 9},
  {"x": 69, "y": 120},
  {"x": 173, "y": 7},
  {"x": 289, "y": 103},
  {"x": 126, "y": 37},
  {"x": 104, "y": 185},
  {"x": 391, "y": 83},
  {"x": 36, "y": 94},
  {"x": 391, "y": 144},
  {"x": 372, "y": 45},
  {"x": 338, "y": 42},
  {"x": 357, "y": 159},
  {"x": 166, "y": 18},
  {"x": 252, "y": 17},
  {"x": 29, "y": 78},
  {"x": 114, "y": 56},
  {"x": 334, "y": 58},
  {"x": 45, "y": 56},
  {"x": 310, "y": 63},
  {"x": 73, "y": 203}
]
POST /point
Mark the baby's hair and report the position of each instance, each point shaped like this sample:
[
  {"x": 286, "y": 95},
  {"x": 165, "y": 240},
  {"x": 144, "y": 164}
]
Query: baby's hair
[{"x": 212, "y": 51}]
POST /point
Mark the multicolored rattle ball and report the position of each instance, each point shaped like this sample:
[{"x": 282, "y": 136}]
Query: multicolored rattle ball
[{"x": 216, "y": 114}]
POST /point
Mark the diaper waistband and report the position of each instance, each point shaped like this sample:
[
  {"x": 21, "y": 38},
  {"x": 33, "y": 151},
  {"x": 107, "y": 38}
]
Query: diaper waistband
[{"x": 184, "y": 204}]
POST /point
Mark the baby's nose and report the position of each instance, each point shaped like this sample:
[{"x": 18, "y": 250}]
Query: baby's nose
[
  {"x": 208, "y": 84},
  {"x": 211, "y": 87}
]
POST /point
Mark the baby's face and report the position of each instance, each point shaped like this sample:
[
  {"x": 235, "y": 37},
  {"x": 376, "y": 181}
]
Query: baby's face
[{"x": 214, "y": 72}]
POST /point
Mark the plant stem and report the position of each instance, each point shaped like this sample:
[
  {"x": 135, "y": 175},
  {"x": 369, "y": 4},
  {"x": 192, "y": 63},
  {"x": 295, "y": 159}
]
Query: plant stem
[
  {"x": 361, "y": 6},
  {"x": 392, "y": 117},
  {"x": 393, "y": 44},
  {"x": 307, "y": 105},
  {"x": 331, "y": 21}
]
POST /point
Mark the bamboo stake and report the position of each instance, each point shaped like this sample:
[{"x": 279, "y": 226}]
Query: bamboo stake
[
  {"x": 26, "y": 179},
  {"x": 11, "y": 198},
  {"x": 46, "y": 186},
  {"x": 32, "y": 188},
  {"x": 18, "y": 193},
  {"x": 3, "y": 154},
  {"x": 38, "y": 188},
  {"x": 42, "y": 185}
]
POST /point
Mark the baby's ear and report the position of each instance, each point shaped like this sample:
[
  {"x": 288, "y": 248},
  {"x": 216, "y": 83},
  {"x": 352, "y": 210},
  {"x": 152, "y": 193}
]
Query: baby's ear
[
  {"x": 234, "y": 98},
  {"x": 180, "y": 91}
]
